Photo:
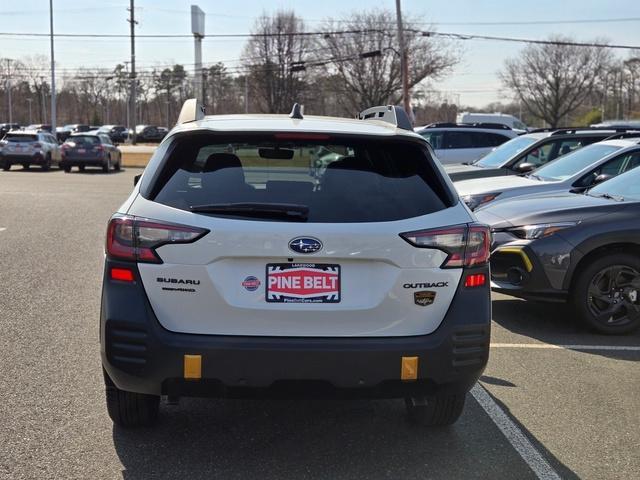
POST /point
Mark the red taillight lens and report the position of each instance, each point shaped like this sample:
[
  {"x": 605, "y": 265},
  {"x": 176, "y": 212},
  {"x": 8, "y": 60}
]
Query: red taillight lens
[
  {"x": 475, "y": 280},
  {"x": 98, "y": 148},
  {"x": 465, "y": 245},
  {"x": 135, "y": 239},
  {"x": 122, "y": 274}
]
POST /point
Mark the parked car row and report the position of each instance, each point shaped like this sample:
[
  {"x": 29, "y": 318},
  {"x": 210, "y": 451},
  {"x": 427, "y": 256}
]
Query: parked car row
[
  {"x": 117, "y": 133},
  {"x": 564, "y": 211},
  {"x": 40, "y": 148}
]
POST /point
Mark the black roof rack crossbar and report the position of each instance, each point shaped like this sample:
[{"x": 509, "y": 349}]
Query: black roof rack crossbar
[
  {"x": 387, "y": 113},
  {"x": 487, "y": 125}
]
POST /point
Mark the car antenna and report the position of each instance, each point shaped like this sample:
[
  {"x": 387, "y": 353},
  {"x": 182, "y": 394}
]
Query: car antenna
[{"x": 296, "y": 111}]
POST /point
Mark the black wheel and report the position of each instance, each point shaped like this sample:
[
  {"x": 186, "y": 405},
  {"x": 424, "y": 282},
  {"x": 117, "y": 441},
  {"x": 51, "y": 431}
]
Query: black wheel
[
  {"x": 105, "y": 166},
  {"x": 606, "y": 294},
  {"x": 67, "y": 169},
  {"x": 47, "y": 164},
  {"x": 129, "y": 409},
  {"x": 440, "y": 410},
  {"x": 6, "y": 166},
  {"x": 81, "y": 168},
  {"x": 25, "y": 166},
  {"x": 118, "y": 165}
]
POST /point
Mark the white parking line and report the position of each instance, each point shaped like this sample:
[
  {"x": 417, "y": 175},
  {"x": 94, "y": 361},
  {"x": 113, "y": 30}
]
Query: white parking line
[
  {"x": 514, "y": 435},
  {"x": 550, "y": 346}
]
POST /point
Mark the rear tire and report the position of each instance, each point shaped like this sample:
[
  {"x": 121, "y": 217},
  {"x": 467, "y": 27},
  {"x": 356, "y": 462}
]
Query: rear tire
[
  {"x": 66, "y": 169},
  {"x": 105, "y": 166},
  {"x": 605, "y": 294},
  {"x": 47, "y": 164},
  {"x": 25, "y": 166},
  {"x": 81, "y": 168},
  {"x": 440, "y": 410},
  {"x": 6, "y": 167},
  {"x": 118, "y": 165},
  {"x": 129, "y": 409}
]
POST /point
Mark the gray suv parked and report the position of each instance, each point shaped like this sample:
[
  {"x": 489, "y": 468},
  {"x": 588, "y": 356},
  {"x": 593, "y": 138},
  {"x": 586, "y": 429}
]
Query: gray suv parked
[{"x": 28, "y": 148}]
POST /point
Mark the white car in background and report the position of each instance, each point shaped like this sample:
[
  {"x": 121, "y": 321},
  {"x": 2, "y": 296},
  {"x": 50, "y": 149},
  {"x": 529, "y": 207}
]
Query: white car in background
[
  {"x": 235, "y": 269},
  {"x": 455, "y": 143},
  {"x": 501, "y": 118}
]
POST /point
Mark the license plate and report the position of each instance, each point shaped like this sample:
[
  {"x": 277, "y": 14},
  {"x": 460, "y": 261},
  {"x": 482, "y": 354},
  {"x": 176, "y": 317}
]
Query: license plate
[
  {"x": 82, "y": 150},
  {"x": 303, "y": 283}
]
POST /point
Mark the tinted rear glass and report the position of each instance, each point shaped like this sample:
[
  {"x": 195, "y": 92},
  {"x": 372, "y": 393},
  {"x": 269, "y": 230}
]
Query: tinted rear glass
[
  {"x": 84, "y": 140},
  {"x": 20, "y": 138},
  {"x": 350, "y": 181}
]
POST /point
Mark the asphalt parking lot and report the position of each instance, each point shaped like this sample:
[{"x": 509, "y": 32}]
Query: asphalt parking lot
[{"x": 554, "y": 402}]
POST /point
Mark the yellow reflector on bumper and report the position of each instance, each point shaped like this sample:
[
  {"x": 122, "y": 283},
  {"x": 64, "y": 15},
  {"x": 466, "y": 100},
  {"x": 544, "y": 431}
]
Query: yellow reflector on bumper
[
  {"x": 519, "y": 251},
  {"x": 409, "y": 370},
  {"x": 193, "y": 367}
]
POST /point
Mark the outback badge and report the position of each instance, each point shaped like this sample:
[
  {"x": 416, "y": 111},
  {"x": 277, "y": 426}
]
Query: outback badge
[{"x": 424, "y": 298}]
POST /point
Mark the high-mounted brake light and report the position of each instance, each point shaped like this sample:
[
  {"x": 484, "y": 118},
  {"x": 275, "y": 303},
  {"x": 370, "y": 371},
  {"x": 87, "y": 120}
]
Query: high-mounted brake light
[
  {"x": 466, "y": 245},
  {"x": 136, "y": 239},
  {"x": 302, "y": 136}
]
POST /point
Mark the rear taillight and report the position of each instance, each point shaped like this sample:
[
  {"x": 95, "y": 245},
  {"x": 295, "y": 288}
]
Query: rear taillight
[
  {"x": 465, "y": 245},
  {"x": 136, "y": 239},
  {"x": 65, "y": 147},
  {"x": 36, "y": 145},
  {"x": 98, "y": 148}
]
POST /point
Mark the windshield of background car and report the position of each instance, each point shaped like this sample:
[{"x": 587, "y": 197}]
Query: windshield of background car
[
  {"x": 83, "y": 140},
  {"x": 572, "y": 163},
  {"x": 504, "y": 152},
  {"x": 20, "y": 138},
  {"x": 626, "y": 185},
  {"x": 334, "y": 181}
]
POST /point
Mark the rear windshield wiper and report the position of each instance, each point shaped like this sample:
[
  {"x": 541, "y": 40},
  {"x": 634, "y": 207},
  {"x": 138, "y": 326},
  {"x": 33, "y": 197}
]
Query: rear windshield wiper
[{"x": 290, "y": 211}]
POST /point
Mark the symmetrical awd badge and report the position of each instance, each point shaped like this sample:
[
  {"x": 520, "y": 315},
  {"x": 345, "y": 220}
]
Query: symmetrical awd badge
[
  {"x": 424, "y": 298},
  {"x": 305, "y": 245}
]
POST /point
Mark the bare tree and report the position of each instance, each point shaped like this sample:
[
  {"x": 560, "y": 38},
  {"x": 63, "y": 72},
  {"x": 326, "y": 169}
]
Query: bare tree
[
  {"x": 376, "y": 80},
  {"x": 269, "y": 57},
  {"x": 553, "y": 80}
]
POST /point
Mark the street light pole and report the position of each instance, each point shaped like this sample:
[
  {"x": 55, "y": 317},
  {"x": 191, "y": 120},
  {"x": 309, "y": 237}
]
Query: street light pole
[
  {"x": 30, "y": 101},
  {"x": 53, "y": 72},
  {"x": 404, "y": 64},
  {"x": 132, "y": 76},
  {"x": 8, "y": 82}
]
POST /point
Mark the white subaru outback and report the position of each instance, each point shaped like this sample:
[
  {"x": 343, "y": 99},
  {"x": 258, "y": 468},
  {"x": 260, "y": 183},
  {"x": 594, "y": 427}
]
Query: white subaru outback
[{"x": 280, "y": 255}]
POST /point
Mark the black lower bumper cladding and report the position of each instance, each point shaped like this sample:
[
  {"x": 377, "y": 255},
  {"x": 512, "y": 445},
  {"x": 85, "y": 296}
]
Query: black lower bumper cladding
[{"x": 139, "y": 355}]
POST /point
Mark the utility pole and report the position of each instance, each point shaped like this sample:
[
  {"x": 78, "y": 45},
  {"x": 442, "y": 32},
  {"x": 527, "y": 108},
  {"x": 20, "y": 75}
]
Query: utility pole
[
  {"x": 30, "y": 101},
  {"x": 404, "y": 64},
  {"x": 132, "y": 75},
  {"x": 9, "y": 106},
  {"x": 53, "y": 72},
  {"x": 246, "y": 93},
  {"x": 197, "y": 28}
]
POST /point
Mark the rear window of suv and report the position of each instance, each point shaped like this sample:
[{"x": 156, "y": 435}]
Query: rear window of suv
[
  {"x": 84, "y": 139},
  {"x": 21, "y": 138},
  {"x": 335, "y": 181}
]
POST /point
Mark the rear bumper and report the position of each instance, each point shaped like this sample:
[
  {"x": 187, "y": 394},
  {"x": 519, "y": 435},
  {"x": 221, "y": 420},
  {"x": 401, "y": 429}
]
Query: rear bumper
[
  {"x": 139, "y": 355},
  {"x": 87, "y": 162},
  {"x": 30, "y": 159}
]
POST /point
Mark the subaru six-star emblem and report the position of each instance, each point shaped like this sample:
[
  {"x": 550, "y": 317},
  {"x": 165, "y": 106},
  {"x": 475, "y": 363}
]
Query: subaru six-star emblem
[{"x": 305, "y": 245}]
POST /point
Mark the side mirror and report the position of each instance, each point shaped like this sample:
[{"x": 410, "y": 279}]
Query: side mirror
[
  {"x": 136, "y": 179},
  {"x": 603, "y": 177},
  {"x": 526, "y": 167}
]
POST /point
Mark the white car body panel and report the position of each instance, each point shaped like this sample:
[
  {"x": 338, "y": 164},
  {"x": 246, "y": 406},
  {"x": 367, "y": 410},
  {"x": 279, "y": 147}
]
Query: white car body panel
[{"x": 375, "y": 264}]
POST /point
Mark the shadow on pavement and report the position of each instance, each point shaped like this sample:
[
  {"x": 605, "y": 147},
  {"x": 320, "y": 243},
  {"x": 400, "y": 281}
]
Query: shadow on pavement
[
  {"x": 204, "y": 438},
  {"x": 556, "y": 324}
]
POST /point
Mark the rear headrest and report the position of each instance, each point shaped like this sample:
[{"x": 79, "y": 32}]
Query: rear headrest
[{"x": 218, "y": 161}]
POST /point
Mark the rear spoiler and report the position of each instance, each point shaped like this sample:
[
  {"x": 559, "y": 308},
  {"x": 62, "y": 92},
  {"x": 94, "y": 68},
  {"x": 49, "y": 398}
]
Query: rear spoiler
[{"x": 387, "y": 113}]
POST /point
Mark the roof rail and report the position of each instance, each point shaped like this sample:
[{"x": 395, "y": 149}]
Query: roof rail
[
  {"x": 629, "y": 134},
  {"x": 561, "y": 131},
  {"x": 487, "y": 125},
  {"x": 387, "y": 113},
  {"x": 191, "y": 111}
]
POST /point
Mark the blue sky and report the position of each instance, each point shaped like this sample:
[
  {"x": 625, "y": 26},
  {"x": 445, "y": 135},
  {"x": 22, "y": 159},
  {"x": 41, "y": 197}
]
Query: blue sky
[{"x": 474, "y": 79}]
